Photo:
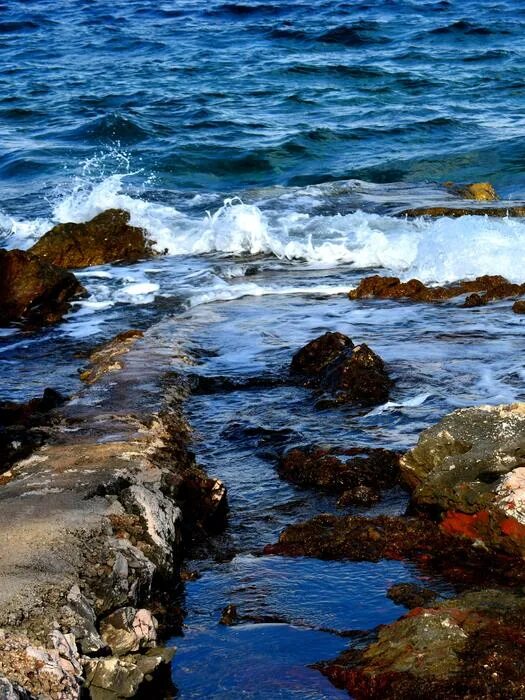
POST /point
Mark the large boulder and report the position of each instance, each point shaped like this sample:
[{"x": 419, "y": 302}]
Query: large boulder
[
  {"x": 344, "y": 371},
  {"x": 466, "y": 647},
  {"x": 105, "y": 239},
  {"x": 34, "y": 291},
  {"x": 470, "y": 470}
]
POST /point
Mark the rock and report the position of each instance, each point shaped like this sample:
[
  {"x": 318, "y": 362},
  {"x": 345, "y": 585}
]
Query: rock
[
  {"x": 316, "y": 355},
  {"x": 410, "y": 595},
  {"x": 229, "y": 616},
  {"x": 128, "y": 630},
  {"x": 480, "y": 191},
  {"x": 33, "y": 291},
  {"x": 112, "y": 678},
  {"x": 24, "y": 426},
  {"x": 79, "y": 618},
  {"x": 357, "y": 473},
  {"x": 470, "y": 468},
  {"x": 416, "y": 539},
  {"x": 454, "y": 212},
  {"x": 359, "y": 496},
  {"x": 493, "y": 286},
  {"x": 204, "y": 501},
  {"x": 105, "y": 239},
  {"x": 346, "y": 372},
  {"x": 466, "y": 647},
  {"x": 519, "y": 307},
  {"x": 107, "y": 357}
]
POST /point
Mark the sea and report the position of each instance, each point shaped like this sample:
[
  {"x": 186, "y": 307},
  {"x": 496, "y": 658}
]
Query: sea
[{"x": 267, "y": 148}]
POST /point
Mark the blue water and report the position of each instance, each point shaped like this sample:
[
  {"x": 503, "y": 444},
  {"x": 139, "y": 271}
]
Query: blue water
[{"x": 267, "y": 147}]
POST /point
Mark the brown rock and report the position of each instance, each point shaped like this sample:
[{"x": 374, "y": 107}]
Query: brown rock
[
  {"x": 519, "y": 307},
  {"x": 320, "y": 352},
  {"x": 341, "y": 470},
  {"x": 480, "y": 191},
  {"x": 33, "y": 291},
  {"x": 105, "y": 239},
  {"x": 107, "y": 357},
  {"x": 466, "y": 647},
  {"x": 410, "y": 595},
  {"x": 493, "y": 286},
  {"x": 454, "y": 212}
]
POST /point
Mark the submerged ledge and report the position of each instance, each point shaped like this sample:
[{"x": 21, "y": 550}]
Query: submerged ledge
[{"x": 92, "y": 526}]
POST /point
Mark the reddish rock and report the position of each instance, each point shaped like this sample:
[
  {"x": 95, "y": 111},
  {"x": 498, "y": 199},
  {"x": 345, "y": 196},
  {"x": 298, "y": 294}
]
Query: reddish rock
[
  {"x": 105, "y": 239},
  {"x": 492, "y": 286},
  {"x": 33, "y": 291},
  {"x": 359, "y": 474},
  {"x": 471, "y": 646},
  {"x": 469, "y": 470}
]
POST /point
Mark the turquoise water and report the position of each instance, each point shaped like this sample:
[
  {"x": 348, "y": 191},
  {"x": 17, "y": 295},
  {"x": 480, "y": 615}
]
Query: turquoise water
[{"x": 267, "y": 147}]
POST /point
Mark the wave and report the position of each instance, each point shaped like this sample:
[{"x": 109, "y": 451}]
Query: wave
[
  {"x": 435, "y": 251},
  {"x": 465, "y": 27}
]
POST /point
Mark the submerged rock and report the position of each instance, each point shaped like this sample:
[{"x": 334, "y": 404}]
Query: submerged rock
[
  {"x": 470, "y": 468},
  {"x": 454, "y": 212},
  {"x": 105, "y": 239},
  {"x": 34, "y": 291},
  {"x": 107, "y": 357},
  {"x": 466, "y": 647},
  {"x": 410, "y": 595},
  {"x": 359, "y": 474},
  {"x": 346, "y": 372},
  {"x": 480, "y": 191},
  {"x": 493, "y": 286},
  {"x": 519, "y": 307}
]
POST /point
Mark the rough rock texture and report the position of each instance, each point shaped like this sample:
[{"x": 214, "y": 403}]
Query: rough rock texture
[
  {"x": 420, "y": 540},
  {"x": 471, "y": 646},
  {"x": 480, "y": 191},
  {"x": 500, "y": 211},
  {"x": 106, "y": 238},
  {"x": 107, "y": 357},
  {"x": 358, "y": 474},
  {"x": 24, "y": 427},
  {"x": 33, "y": 291},
  {"x": 519, "y": 307},
  {"x": 343, "y": 371},
  {"x": 90, "y": 525},
  {"x": 470, "y": 468},
  {"x": 410, "y": 595},
  {"x": 493, "y": 286}
]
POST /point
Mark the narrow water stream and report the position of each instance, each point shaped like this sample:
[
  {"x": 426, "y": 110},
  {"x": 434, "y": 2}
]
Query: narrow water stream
[{"x": 438, "y": 358}]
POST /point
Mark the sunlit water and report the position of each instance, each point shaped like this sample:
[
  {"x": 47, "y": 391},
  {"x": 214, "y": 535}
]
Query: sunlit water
[{"x": 268, "y": 147}]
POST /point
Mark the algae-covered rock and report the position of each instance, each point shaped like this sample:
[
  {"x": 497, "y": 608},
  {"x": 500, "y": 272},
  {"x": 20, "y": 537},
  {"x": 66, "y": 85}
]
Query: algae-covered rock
[
  {"x": 470, "y": 467},
  {"x": 320, "y": 352},
  {"x": 470, "y": 646},
  {"x": 105, "y": 239},
  {"x": 34, "y": 291}
]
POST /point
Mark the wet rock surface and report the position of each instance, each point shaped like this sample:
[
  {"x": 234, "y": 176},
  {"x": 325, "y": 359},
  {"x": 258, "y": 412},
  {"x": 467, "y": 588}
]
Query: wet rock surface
[
  {"x": 410, "y": 595},
  {"x": 466, "y": 647},
  {"x": 24, "y": 427},
  {"x": 358, "y": 475},
  {"x": 107, "y": 357},
  {"x": 519, "y": 307},
  {"x": 90, "y": 529},
  {"x": 342, "y": 372},
  {"x": 33, "y": 291},
  {"x": 480, "y": 191},
  {"x": 470, "y": 468},
  {"x": 105, "y": 239},
  {"x": 499, "y": 211},
  {"x": 480, "y": 291}
]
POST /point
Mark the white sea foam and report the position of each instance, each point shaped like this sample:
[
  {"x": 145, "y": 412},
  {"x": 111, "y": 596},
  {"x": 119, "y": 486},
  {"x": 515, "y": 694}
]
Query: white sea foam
[{"x": 435, "y": 251}]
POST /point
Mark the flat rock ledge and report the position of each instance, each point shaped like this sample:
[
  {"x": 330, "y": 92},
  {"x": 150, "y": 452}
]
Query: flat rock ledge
[{"x": 91, "y": 525}]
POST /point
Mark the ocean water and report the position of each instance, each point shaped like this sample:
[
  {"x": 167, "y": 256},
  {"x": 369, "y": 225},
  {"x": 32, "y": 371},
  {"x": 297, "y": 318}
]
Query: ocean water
[{"x": 267, "y": 147}]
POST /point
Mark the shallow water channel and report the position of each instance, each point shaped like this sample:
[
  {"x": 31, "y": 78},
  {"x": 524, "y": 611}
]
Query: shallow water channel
[{"x": 440, "y": 356}]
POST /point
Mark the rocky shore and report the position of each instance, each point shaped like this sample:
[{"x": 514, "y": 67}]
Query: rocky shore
[{"x": 93, "y": 527}]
